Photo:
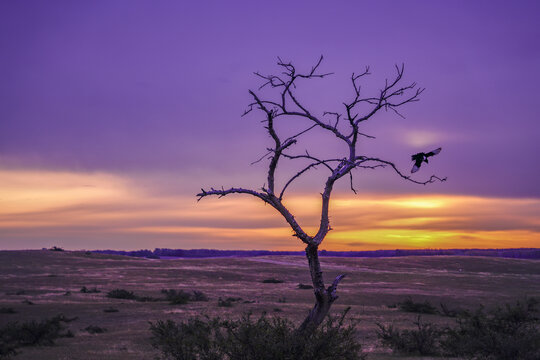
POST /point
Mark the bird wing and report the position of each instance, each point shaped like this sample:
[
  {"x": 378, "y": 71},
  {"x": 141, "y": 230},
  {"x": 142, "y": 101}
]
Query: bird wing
[{"x": 434, "y": 152}]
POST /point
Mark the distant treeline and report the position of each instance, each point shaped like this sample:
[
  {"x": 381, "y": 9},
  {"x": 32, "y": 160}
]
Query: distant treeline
[{"x": 523, "y": 253}]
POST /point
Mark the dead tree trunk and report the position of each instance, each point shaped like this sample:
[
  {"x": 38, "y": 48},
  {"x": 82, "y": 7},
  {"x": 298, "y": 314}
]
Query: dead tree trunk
[
  {"x": 392, "y": 96},
  {"x": 324, "y": 298}
]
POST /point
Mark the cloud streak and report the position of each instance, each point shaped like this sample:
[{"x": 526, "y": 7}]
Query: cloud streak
[{"x": 73, "y": 210}]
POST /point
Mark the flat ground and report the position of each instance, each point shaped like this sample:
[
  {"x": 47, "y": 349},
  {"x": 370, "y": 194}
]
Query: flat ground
[{"x": 52, "y": 282}]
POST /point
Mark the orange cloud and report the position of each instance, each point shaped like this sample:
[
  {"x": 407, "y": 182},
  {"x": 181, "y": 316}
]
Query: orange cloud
[{"x": 98, "y": 210}]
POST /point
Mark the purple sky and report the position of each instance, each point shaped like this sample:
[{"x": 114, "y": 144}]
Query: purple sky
[{"x": 157, "y": 87}]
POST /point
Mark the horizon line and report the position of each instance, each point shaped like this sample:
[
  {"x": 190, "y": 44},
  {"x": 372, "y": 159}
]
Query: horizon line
[{"x": 264, "y": 250}]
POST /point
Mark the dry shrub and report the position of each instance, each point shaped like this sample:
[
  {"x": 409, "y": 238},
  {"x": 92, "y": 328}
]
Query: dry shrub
[
  {"x": 503, "y": 333},
  {"x": 507, "y": 332},
  {"x": 121, "y": 294},
  {"x": 422, "y": 340},
  {"x": 265, "y": 338},
  {"x": 15, "y": 335},
  {"x": 417, "y": 307}
]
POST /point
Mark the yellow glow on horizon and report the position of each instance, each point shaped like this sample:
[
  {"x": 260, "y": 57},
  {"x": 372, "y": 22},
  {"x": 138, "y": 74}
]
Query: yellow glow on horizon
[
  {"x": 415, "y": 201},
  {"x": 411, "y": 221},
  {"x": 419, "y": 203},
  {"x": 69, "y": 205},
  {"x": 407, "y": 239}
]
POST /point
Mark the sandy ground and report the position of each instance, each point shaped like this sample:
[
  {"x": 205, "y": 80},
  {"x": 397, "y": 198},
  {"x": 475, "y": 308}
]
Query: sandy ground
[{"x": 52, "y": 282}]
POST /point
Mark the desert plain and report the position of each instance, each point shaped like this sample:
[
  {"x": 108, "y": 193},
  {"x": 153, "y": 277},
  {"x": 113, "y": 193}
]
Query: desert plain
[{"x": 40, "y": 284}]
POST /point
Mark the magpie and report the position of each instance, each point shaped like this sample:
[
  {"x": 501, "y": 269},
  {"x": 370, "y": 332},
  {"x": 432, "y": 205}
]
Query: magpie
[{"x": 422, "y": 157}]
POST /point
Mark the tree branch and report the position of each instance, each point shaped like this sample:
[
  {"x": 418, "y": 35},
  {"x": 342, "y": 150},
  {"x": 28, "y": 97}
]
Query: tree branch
[
  {"x": 221, "y": 193},
  {"x": 363, "y": 159},
  {"x": 332, "y": 288},
  {"x": 298, "y": 174}
]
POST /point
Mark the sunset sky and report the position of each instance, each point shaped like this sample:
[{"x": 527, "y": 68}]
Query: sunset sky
[{"x": 113, "y": 115}]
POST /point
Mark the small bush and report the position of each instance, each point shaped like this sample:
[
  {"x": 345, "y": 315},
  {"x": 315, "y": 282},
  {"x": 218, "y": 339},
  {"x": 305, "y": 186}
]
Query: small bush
[
  {"x": 262, "y": 339},
  {"x": 93, "y": 329},
  {"x": 424, "y": 340},
  {"x": 178, "y": 297},
  {"x": 93, "y": 290},
  {"x": 56, "y": 248},
  {"x": 129, "y": 295},
  {"x": 421, "y": 308},
  {"x": 502, "y": 333},
  {"x": 193, "y": 339},
  {"x": 7, "y": 310},
  {"x": 304, "y": 286},
  {"x": 175, "y": 297},
  {"x": 199, "y": 296},
  {"x": 121, "y": 294},
  {"x": 272, "y": 281},
  {"x": 146, "y": 298},
  {"x": 282, "y": 300},
  {"x": 110, "y": 310},
  {"x": 224, "y": 303},
  {"x": 446, "y": 311},
  {"x": 15, "y": 335},
  {"x": 27, "y": 302}
]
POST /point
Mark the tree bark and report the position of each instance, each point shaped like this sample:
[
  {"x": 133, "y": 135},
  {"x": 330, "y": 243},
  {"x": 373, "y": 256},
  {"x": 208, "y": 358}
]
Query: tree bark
[{"x": 324, "y": 297}]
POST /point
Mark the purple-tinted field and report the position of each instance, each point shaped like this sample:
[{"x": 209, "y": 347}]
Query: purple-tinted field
[{"x": 44, "y": 277}]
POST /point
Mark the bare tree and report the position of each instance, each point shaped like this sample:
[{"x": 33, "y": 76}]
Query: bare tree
[{"x": 344, "y": 128}]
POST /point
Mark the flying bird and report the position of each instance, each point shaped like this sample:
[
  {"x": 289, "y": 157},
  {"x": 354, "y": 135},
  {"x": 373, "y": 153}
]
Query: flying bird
[{"x": 422, "y": 157}]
